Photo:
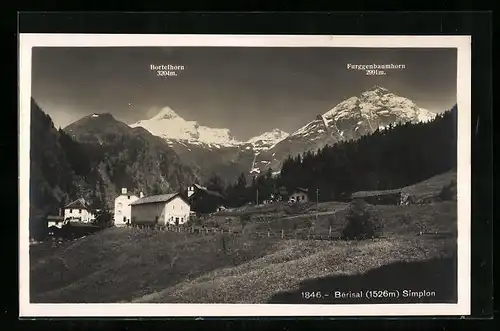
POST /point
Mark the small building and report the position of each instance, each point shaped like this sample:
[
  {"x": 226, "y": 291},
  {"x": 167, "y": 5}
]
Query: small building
[
  {"x": 299, "y": 195},
  {"x": 78, "y": 211},
  {"x": 55, "y": 221},
  {"x": 122, "y": 212},
  {"x": 203, "y": 200},
  {"x": 164, "y": 209}
]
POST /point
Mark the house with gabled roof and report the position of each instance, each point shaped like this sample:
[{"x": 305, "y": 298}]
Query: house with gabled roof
[
  {"x": 123, "y": 210},
  {"x": 299, "y": 195},
  {"x": 78, "y": 211},
  {"x": 161, "y": 210},
  {"x": 203, "y": 200}
]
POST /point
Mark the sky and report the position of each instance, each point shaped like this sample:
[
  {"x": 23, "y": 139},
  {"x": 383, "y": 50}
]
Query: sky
[{"x": 247, "y": 90}]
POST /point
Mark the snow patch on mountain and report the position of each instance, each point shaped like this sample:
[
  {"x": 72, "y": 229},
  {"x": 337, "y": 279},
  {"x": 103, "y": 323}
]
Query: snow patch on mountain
[
  {"x": 170, "y": 126},
  {"x": 267, "y": 139},
  {"x": 378, "y": 102}
]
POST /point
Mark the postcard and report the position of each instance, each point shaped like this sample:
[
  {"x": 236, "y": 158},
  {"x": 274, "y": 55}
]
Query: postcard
[{"x": 244, "y": 175}]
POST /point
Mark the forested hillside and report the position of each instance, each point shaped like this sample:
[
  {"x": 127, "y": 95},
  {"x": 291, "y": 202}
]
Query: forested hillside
[
  {"x": 59, "y": 170},
  {"x": 391, "y": 158}
]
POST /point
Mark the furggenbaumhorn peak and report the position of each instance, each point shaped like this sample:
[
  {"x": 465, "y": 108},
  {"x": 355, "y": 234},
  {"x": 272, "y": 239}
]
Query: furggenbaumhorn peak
[{"x": 375, "y": 108}]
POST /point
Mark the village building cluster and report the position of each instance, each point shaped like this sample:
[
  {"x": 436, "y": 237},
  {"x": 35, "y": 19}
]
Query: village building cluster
[{"x": 131, "y": 209}]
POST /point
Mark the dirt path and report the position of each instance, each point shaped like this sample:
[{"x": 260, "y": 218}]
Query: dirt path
[{"x": 311, "y": 214}]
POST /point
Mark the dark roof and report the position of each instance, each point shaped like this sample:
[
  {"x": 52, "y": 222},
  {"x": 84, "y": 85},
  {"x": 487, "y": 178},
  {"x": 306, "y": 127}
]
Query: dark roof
[
  {"x": 57, "y": 218},
  {"x": 362, "y": 194},
  {"x": 157, "y": 198},
  {"x": 77, "y": 204},
  {"x": 206, "y": 190}
]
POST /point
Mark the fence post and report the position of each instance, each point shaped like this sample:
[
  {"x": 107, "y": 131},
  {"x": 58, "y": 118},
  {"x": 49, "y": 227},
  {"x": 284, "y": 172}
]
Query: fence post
[
  {"x": 268, "y": 233},
  {"x": 330, "y": 232},
  {"x": 282, "y": 234}
]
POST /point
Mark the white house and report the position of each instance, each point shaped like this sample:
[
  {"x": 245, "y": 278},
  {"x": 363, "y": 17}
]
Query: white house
[
  {"x": 161, "y": 209},
  {"x": 122, "y": 207},
  {"x": 78, "y": 211},
  {"x": 299, "y": 195}
]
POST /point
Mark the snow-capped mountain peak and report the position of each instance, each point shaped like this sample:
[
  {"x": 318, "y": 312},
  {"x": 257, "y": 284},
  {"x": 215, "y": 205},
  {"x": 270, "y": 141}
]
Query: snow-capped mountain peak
[
  {"x": 274, "y": 135},
  {"x": 374, "y": 109},
  {"x": 377, "y": 89},
  {"x": 172, "y": 127},
  {"x": 268, "y": 139},
  {"x": 165, "y": 113}
]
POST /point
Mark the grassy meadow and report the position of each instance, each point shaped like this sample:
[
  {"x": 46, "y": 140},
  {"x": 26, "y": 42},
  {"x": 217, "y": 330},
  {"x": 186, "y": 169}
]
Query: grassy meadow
[{"x": 148, "y": 265}]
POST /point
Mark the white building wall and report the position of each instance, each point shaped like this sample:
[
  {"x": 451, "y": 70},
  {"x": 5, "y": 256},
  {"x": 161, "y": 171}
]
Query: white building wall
[
  {"x": 166, "y": 213},
  {"x": 57, "y": 224},
  {"x": 123, "y": 210},
  {"x": 177, "y": 211},
  {"x": 84, "y": 215},
  {"x": 299, "y": 197}
]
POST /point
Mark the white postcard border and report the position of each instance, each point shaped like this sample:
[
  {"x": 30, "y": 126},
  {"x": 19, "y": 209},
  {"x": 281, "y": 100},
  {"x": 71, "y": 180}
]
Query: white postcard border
[{"x": 461, "y": 43}]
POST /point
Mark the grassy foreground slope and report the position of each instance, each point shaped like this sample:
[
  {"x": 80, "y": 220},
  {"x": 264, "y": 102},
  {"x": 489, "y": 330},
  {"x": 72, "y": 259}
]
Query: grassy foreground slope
[
  {"x": 122, "y": 264},
  {"x": 132, "y": 265},
  {"x": 296, "y": 261}
]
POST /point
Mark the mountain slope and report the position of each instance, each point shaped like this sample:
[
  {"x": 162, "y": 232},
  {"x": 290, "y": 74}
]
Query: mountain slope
[
  {"x": 374, "y": 109},
  {"x": 129, "y": 157},
  {"x": 226, "y": 162},
  {"x": 211, "y": 150}
]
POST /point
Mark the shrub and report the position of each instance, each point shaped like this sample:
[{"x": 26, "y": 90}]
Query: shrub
[
  {"x": 290, "y": 210},
  {"x": 195, "y": 221},
  {"x": 244, "y": 219},
  {"x": 331, "y": 220},
  {"x": 296, "y": 208},
  {"x": 223, "y": 240},
  {"x": 103, "y": 219},
  {"x": 447, "y": 192},
  {"x": 359, "y": 223}
]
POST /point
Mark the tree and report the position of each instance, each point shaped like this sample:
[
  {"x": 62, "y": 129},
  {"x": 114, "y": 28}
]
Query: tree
[
  {"x": 157, "y": 189},
  {"x": 242, "y": 182},
  {"x": 103, "y": 219},
  {"x": 269, "y": 174},
  {"x": 215, "y": 183},
  {"x": 360, "y": 223},
  {"x": 244, "y": 219}
]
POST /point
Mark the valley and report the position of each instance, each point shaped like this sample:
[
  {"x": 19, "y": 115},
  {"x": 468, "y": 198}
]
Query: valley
[{"x": 254, "y": 252}]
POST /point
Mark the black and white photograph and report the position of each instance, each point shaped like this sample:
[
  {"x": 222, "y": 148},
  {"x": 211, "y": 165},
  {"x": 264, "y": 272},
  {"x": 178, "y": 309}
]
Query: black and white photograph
[{"x": 276, "y": 175}]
